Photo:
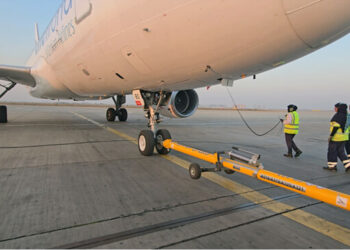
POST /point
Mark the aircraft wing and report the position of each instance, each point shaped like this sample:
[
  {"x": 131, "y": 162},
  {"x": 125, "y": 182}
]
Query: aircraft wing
[{"x": 21, "y": 75}]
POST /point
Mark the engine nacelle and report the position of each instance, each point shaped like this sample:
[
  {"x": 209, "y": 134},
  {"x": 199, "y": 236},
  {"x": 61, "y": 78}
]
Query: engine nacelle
[{"x": 180, "y": 104}]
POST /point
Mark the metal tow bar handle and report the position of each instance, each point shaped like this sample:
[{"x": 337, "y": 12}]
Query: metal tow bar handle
[{"x": 245, "y": 156}]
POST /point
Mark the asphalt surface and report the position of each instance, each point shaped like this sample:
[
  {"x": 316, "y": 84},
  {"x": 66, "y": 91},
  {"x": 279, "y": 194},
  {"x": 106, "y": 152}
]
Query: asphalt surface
[{"x": 70, "y": 179}]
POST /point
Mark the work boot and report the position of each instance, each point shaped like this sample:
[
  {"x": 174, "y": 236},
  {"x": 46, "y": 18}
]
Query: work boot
[
  {"x": 288, "y": 155},
  {"x": 331, "y": 169},
  {"x": 347, "y": 170},
  {"x": 346, "y": 164},
  {"x": 298, "y": 153}
]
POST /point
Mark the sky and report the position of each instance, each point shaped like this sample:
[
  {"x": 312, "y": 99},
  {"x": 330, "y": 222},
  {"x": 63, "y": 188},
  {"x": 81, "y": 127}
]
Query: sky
[{"x": 316, "y": 81}]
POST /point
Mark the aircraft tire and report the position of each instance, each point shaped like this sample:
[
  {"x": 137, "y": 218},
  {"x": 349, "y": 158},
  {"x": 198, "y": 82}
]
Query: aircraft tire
[
  {"x": 123, "y": 115},
  {"x": 195, "y": 171},
  {"x": 111, "y": 114},
  {"x": 161, "y": 136},
  {"x": 3, "y": 114},
  {"x": 229, "y": 171},
  {"x": 146, "y": 142}
]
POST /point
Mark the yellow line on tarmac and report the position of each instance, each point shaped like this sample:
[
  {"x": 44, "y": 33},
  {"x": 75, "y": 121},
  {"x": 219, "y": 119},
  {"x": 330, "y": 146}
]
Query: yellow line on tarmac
[{"x": 309, "y": 220}]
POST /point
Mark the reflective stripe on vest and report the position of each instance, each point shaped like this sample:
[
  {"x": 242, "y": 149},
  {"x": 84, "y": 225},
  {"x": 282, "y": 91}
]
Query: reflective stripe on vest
[
  {"x": 339, "y": 135},
  {"x": 292, "y": 128}
]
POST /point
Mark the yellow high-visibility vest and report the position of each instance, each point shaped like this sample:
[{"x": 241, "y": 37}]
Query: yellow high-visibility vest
[
  {"x": 339, "y": 135},
  {"x": 292, "y": 128}
]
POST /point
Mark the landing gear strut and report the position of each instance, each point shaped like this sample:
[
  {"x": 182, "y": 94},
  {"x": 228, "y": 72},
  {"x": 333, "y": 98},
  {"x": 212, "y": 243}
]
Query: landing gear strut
[
  {"x": 3, "y": 109},
  {"x": 153, "y": 138},
  {"x": 3, "y": 114},
  {"x": 122, "y": 113}
]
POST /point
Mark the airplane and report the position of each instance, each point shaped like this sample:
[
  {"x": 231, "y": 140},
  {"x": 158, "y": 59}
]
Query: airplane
[{"x": 161, "y": 50}]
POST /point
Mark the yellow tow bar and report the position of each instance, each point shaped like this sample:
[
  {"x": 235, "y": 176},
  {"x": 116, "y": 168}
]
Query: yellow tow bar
[{"x": 253, "y": 169}]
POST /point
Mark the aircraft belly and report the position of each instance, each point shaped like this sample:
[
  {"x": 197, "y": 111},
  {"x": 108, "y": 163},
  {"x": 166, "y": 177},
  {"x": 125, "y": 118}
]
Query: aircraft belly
[
  {"x": 185, "y": 40},
  {"x": 176, "y": 45},
  {"x": 179, "y": 45},
  {"x": 318, "y": 23}
]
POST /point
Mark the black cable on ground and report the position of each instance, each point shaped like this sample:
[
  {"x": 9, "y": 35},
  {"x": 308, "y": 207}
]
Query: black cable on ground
[{"x": 245, "y": 122}]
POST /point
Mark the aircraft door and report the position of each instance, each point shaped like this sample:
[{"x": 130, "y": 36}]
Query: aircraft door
[{"x": 83, "y": 9}]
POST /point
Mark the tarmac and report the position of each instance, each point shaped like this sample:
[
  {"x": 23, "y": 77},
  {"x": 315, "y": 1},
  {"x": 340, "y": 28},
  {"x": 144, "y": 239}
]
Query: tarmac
[{"x": 70, "y": 179}]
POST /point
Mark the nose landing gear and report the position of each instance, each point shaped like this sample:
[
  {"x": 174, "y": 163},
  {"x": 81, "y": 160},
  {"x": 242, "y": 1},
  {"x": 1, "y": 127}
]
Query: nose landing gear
[
  {"x": 152, "y": 138},
  {"x": 161, "y": 136},
  {"x": 148, "y": 141}
]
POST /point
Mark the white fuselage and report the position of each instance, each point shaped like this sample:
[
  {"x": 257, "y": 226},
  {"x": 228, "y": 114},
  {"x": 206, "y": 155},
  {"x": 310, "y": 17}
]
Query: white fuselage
[{"x": 100, "y": 48}]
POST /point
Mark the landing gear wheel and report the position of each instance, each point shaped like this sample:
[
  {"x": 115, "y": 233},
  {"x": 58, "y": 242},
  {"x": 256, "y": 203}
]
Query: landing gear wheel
[
  {"x": 146, "y": 142},
  {"x": 3, "y": 114},
  {"x": 161, "y": 136},
  {"x": 229, "y": 171},
  {"x": 111, "y": 114},
  {"x": 122, "y": 115},
  {"x": 195, "y": 171}
]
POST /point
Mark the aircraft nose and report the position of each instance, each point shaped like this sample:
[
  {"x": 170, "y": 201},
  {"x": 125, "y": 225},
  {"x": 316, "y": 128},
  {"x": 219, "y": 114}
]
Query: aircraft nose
[{"x": 318, "y": 22}]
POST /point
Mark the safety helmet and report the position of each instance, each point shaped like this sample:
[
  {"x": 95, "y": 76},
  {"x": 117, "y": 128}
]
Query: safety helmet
[
  {"x": 341, "y": 107},
  {"x": 341, "y": 104},
  {"x": 292, "y": 107}
]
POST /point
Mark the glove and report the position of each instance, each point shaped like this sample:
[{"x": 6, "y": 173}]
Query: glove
[{"x": 281, "y": 120}]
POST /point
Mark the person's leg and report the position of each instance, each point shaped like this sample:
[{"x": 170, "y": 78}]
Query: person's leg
[
  {"x": 347, "y": 147},
  {"x": 295, "y": 148},
  {"x": 289, "y": 145},
  {"x": 341, "y": 154},
  {"x": 332, "y": 156}
]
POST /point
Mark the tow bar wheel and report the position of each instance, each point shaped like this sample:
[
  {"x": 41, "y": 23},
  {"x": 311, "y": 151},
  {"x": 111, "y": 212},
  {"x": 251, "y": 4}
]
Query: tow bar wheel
[
  {"x": 229, "y": 171},
  {"x": 195, "y": 171},
  {"x": 161, "y": 136},
  {"x": 146, "y": 142}
]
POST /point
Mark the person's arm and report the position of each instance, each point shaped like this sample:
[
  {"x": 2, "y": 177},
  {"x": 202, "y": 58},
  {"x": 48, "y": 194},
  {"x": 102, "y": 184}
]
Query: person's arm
[
  {"x": 288, "y": 119},
  {"x": 334, "y": 130},
  {"x": 336, "y": 126},
  {"x": 347, "y": 122}
]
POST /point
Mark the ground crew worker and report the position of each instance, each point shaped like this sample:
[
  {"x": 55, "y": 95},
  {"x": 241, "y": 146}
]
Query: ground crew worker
[
  {"x": 291, "y": 128},
  {"x": 337, "y": 139},
  {"x": 347, "y": 130}
]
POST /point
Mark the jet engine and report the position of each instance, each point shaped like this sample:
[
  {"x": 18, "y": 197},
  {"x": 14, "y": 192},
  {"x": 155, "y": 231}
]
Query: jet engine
[{"x": 180, "y": 104}]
